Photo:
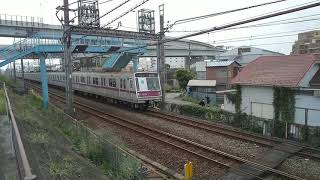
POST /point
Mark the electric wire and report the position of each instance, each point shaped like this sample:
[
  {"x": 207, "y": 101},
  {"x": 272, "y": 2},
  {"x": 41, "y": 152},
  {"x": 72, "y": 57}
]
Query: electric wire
[
  {"x": 182, "y": 21},
  {"x": 271, "y": 23}
]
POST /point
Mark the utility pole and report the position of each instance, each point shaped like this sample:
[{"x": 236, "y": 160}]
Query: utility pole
[
  {"x": 160, "y": 54},
  {"x": 67, "y": 58}
]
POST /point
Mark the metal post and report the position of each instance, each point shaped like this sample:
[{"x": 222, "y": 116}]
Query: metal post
[
  {"x": 161, "y": 55},
  {"x": 22, "y": 74},
  {"x": 44, "y": 81},
  {"x": 67, "y": 59},
  {"x": 14, "y": 71},
  {"x": 306, "y": 116}
]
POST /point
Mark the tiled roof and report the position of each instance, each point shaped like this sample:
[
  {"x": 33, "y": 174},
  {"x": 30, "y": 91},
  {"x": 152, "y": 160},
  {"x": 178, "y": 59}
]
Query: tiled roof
[
  {"x": 220, "y": 63},
  {"x": 285, "y": 71}
]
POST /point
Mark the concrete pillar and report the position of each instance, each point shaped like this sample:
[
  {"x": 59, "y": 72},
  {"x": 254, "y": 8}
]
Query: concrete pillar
[{"x": 44, "y": 81}]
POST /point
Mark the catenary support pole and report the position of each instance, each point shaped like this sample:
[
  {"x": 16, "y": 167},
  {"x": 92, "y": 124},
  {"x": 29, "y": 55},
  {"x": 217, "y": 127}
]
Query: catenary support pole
[
  {"x": 67, "y": 59},
  {"x": 44, "y": 81},
  {"x": 161, "y": 55}
]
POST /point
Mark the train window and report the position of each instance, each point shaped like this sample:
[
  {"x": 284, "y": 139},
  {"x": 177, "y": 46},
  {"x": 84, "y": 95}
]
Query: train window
[
  {"x": 88, "y": 80},
  {"x": 95, "y": 81},
  {"x": 120, "y": 83},
  {"x": 83, "y": 80},
  {"x": 104, "y": 82},
  {"x": 131, "y": 84},
  {"x": 124, "y": 84},
  {"x": 101, "y": 81},
  {"x": 112, "y": 83},
  {"x": 137, "y": 84}
]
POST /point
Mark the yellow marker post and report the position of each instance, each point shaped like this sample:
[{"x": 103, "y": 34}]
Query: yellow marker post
[{"x": 188, "y": 172}]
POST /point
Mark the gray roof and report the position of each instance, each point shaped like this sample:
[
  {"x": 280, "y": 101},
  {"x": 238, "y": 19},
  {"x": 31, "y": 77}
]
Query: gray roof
[
  {"x": 220, "y": 63},
  {"x": 202, "y": 83}
]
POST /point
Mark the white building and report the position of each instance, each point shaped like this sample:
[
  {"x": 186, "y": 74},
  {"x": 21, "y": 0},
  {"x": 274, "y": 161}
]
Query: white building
[
  {"x": 245, "y": 54},
  {"x": 257, "y": 79},
  {"x": 150, "y": 64}
]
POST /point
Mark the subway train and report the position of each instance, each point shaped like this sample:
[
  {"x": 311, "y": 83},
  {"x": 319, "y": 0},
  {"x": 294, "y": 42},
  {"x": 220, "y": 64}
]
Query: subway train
[{"x": 137, "y": 90}]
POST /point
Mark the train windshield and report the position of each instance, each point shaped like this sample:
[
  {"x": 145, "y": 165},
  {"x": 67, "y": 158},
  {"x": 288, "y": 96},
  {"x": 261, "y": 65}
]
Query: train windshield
[{"x": 148, "y": 84}]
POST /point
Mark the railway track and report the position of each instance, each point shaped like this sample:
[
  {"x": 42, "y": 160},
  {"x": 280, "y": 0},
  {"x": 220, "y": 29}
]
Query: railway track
[
  {"x": 206, "y": 153},
  {"x": 307, "y": 151}
]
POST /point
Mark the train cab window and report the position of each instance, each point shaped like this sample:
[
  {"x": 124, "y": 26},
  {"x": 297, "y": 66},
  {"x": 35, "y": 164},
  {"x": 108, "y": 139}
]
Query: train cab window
[{"x": 95, "y": 81}]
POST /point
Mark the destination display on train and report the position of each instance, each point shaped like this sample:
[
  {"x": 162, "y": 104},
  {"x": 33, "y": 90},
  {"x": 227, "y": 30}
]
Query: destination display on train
[{"x": 146, "y": 75}]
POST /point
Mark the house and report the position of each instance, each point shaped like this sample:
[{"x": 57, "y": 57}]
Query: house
[
  {"x": 200, "y": 69},
  {"x": 259, "y": 80},
  {"x": 202, "y": 89},
  {"x": 245, "y": 54},
  {"x": 222, "y": 72}
]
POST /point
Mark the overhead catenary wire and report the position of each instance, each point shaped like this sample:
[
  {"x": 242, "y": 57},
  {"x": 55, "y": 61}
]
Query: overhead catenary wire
[
  {"x": 262, "y": 36},
  {"x": 110, "y": 11},
  {"x": 270, "y": 23},
  {"x": 128, "y": 11},
  {"x": 181, "y": 21},
  {"x": 246, "y": 21}
]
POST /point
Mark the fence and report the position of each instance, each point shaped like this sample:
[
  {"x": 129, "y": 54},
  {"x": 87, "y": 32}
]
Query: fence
[
  {"x": 116, "y": 161},
  {"x": 252, "y": 123},
  {"x": 23, "y": 163},
  {"x": 17, "y": 20},
  {"x": 301, "y": 130}
]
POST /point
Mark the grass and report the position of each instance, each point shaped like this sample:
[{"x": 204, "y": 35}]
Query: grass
[
  {"x": 2, "y": 102},
  {"x": 101, "y": 153}
]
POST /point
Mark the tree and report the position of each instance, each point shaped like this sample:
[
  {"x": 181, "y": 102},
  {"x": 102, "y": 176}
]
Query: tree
[{"x": 183, "y": 76}]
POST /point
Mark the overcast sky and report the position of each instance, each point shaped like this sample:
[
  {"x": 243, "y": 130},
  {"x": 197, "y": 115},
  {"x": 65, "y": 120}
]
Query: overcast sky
[{"x": 180, "y": 9}]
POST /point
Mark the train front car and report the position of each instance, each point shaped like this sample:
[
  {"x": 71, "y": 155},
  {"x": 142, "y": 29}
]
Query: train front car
[{"x": 148, "y": 88}]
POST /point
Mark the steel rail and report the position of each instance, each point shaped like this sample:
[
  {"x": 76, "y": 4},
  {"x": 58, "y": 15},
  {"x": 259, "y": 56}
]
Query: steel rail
[
  {"x": 25, "y": 163},
  {"x": 233, "y": 133},
  {"x": 253, "y": 164}
]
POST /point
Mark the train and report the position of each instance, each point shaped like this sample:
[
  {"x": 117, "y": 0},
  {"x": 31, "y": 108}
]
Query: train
[{"x": 138, "y": 90}]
